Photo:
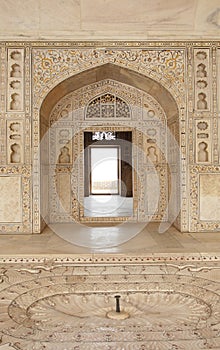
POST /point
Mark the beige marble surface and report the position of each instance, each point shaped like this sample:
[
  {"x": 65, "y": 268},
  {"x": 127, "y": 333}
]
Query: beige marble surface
[
  {"x": 101, "y": 19},
  {"x": 58, "y": 295},
  {"x": 209, "y": 196},
  {"x": 147, "y": 242},
  {"x": 10, "y": 203},
  {"x": 62, "y": 302}
]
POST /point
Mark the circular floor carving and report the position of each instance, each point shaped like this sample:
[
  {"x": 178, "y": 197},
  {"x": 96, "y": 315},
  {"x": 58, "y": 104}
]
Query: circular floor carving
[
  {"x": 153, "y": 310},
  {"x": 65, "y": 310}
]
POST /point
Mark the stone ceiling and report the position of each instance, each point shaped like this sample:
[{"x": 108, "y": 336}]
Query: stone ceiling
[{"x": 109, "y": 19}]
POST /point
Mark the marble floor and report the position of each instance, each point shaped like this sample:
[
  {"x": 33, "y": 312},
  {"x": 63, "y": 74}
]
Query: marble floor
[
  {"x": 57, "y": 294},
  {"x": 108, "y": 206},
  {"x": 146, "y": 240}
]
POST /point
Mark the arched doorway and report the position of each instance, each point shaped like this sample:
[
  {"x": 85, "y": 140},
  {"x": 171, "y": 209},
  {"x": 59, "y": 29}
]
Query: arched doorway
[{"x": 164, "y": 155}]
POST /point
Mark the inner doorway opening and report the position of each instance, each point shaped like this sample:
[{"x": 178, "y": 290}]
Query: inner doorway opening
[
  {"x": 108, "y": 185},
  {"x": 104, "y": 170}
]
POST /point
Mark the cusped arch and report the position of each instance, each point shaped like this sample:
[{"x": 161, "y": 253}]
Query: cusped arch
[{"x": 114, "y": 72}]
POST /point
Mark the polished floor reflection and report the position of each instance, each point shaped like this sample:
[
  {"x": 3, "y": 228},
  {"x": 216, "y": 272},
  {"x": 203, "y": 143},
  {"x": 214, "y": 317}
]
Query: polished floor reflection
[
  {"x": 108, "y": 206},
  {"x": 148, "y": 241}
]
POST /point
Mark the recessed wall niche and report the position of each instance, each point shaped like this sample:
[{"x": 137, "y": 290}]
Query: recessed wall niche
[
  {"x": 202, "y": 80},
  {"x": 15, "y": 141},
  {"x": 15, "y": 93}
]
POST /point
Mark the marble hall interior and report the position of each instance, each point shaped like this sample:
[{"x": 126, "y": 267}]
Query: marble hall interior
[{"x": 109, "y": 175}]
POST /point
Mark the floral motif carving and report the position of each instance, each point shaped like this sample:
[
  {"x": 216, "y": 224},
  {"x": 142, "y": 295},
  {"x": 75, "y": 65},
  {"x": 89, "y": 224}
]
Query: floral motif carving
[{"x": 151, "y": 62}]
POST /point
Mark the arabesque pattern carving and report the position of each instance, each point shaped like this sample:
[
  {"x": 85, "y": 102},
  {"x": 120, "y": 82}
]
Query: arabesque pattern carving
[{"x": 165, "y": 65}]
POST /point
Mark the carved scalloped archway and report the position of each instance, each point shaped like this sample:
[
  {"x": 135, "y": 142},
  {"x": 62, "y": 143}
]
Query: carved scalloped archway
[
  {"x": 120, "y": 75},
  {"x": 114, "y": 72}
]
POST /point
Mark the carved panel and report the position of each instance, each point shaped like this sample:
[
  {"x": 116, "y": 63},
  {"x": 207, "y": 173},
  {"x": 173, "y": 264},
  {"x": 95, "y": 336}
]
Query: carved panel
[
  {"x": 15, "y": 141},
  {"x": 64, "y": 145},
  {"x": 66, "y": 62},
  {"x": 11, "y": 197},
  {"x": 60, "y": 195},
  {"x": 15, "y": 90},
  {"x": 202, "y": 79},
  {"x": 209, "y": 197},
  {"x": 201, "y": 176},
  {"x": 203, "y": 137},
  {"x": 21, "y": 174}
]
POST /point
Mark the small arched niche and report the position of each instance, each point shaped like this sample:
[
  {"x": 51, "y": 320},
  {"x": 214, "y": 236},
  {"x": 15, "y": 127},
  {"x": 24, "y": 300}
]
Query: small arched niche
[{"x": 152, "y": 114}]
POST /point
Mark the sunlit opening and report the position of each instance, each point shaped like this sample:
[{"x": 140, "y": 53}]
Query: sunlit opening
[{"x": 104, "y": 170}]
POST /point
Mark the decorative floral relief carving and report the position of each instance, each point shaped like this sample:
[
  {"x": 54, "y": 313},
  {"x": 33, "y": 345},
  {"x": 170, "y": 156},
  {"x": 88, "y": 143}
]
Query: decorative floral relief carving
[
  {"x": 153, "y": 63},
  {"x": 202, "y": 125},
  {"x": 201, "y": 84},
  {"x": 201, "y": 55}
]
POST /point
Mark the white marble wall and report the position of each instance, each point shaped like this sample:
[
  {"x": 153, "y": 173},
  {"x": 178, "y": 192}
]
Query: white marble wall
[
  {"x": 11, "y": 198},
  {"x": 100, "y": 19},
  {"x": 189, "y": 71}
]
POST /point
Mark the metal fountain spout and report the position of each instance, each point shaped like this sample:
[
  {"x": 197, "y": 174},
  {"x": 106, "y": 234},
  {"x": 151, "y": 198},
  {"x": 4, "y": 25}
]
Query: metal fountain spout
[{"x": 117, "y": 314}]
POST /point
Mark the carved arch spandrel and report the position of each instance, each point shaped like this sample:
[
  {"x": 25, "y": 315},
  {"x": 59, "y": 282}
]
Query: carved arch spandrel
[{"x": 114, "y": 72}]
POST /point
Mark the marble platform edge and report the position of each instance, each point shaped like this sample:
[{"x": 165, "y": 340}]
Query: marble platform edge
[{"x": 110, "y": 259}]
